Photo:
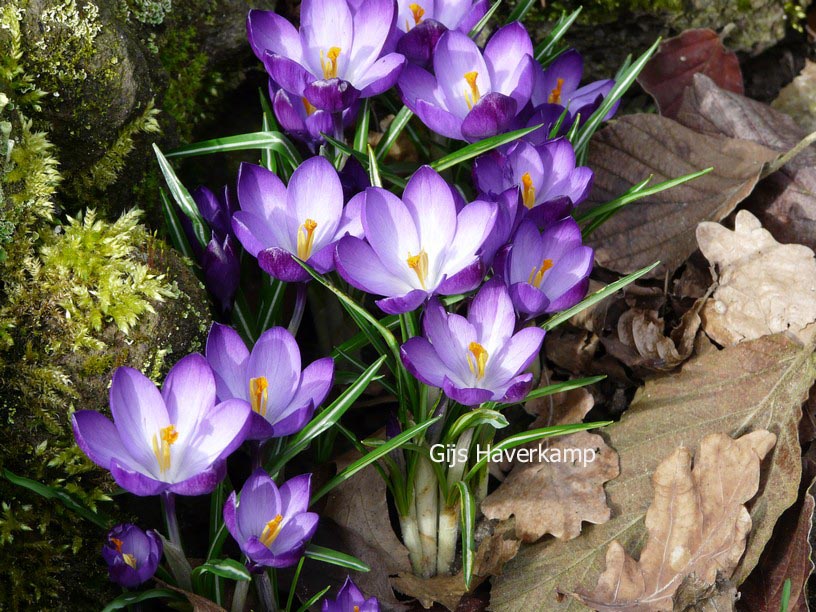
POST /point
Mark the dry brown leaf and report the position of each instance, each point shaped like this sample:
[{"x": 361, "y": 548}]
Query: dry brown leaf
[
  {"x": 763, "y": 287},
  {"x": 758, "y": 384},
  {"x": 198, "y": 603},
  {"x": 661, "y": 227},
  {"x": 555, "y": 497},
  {"x": 694, "y": 51},
  {"x": 785, "y": 202},
  {"x": 697, "y": 525},
  {"x": 798, "y": 98}
]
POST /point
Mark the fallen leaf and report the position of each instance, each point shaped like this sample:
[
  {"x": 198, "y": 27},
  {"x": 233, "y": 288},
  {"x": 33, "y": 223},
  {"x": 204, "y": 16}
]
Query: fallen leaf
[
  {"x": 677, "y": 61},
  {"x": 697, "y": 525},
  {"x": 447, "y": 590},
  {"x": 661, "y": 227},
  {"x": 758, "y": 384},
  {"x": 763, "y": 287},
  {"x": 798, "y": 98},
  {"x": 198, "y": 603},
  {"x": 785, "y": 202}
]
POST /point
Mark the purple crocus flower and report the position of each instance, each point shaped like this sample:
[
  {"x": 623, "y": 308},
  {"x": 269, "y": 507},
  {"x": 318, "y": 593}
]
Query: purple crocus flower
[
  {"x": 472, "y": 95},
  {"x": 350, "y": 599},
  {"x": 478, "y": 358},
  {"x": 545, "y": 178},
  {"x": 547, "y": 272},
  {"x": 337, "y": 56},
  {"x": 175, "y": 440},
  {"x": 416, "y": 246},
  {"x": 219, "y": 259},
  {"x": 132, "y": 555},
  {"x": 271, "y": 525},
  {"x": 277, "y": 223},
  {"x": 421, "y": 23},
  {"x": 269, "y": 377}
]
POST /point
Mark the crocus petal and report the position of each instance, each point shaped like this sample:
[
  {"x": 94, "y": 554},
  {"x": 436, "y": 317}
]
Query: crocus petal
[
  {"x": 455, "y": 56},
  {"x": 473, "y": 16},
  {"x": 227, "y": 355},
  {"x": 323, "y": 260},
  {"x": 332, "y": 95},
  {"x": 260, "y": 502},
  {"x": 473, "y": 225},
  {"x": 491, "y": 313},
  {"x": 202, "y": 483},
  {"x": 518, "y": 389},
  {"x": 421, "y": 360},
  {"x": 570, "y": 297},
  {"x": 528, "y": 299},
  {"x": 381, "y": 76},
  {"x": 262, "y": 194},
  {"x": 294, "y": 494},
  {"x": 280, "y": 264},
  {"x": 287, "y": 73},
  {"x": 569, "y": 67},
  {"x": 359, "y": 265},
  {"x": 260, "y": 554},
  {"x": 466, "y": 279},
  {"x": 135, "y": 482},
  {"x": 372, "y": 23},
  {"x": 276, "y": 357},
  {"x": 252, "y": 232},
  {"x": 315, "y": 193},
  {"x": 295, "y": 532},
  {"x": 391, "y": 232},
  {"x": 290, "y": 118},
  {"x": 519, "y": 351},
  {"x": 292, "y": 419},
  {"x": 526, "y": 255},
  {"x": 231, "y": 519},
  {"x": 418, "y": 44},
  {"x": 403, "y": 303},
  {"x": 259, "y": 428},
  {"x": 438, "y": 119},
  {"x": 429, "y": 200},
  {"x": 189, "y": 393},
  {"x": 315, "y": 382},
  {"x": 504, "y": 55},
  {"x": 268, "y": 31},
  {"x": 138, "y": 413},
  {"x": 325, "y": 24},
  {"x": 416, "y": 84},
  {"x": 490, "y": 116},
  {"x": 466, "y": 397},
  {"x": 96, "y": 435},
  {"x": 221, "y": 431},
  {"x": 547, "y": 213}
]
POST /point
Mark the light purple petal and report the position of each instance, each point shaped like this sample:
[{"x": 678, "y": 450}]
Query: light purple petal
[
  {"x": 135, "y": 482},
  {"x": 421, "y": 360},
  {"x": 96, "y": 435},
  {"x": 504, "y": 55},
  {"x": 260, "y": 502},
  {"x": 491, "y": 313},
  {"x": 429, "y": 200},
  {"x": 466, "y": 279},
  {"x": 403, "y": 303},
  {"x": 231, "y": 519},
  {"x": 227, "y": 355},
  {"x": 325, "y": 24},
  {"x": 438, "y": 119},
  {"x": 261, "y": 193},
  {"x": 293, "y": 420},
  {"x": 295, "y": 532},
  {"x": 202, "y": 483},
  {"x": 315, "y": 382},
  {"x": 570, "y": 297},
  {"x": 276, "y": 357},
  {"x": 252, "y": 232},
  {"x": 381, "y": 76},
  {"x": 455, "y": 56},
  {"x": 569, "y": 67},
  {"x": 359, "y": 265},
  {"x": 519, "y": 351},
  {"x": 294, "y": 494},
  {"x": 390, "y": 230},
  {"x": 189, "y": 394},
  {"x": 416, "y": 84},
  {"x": 372, "y": 23},
  {"x": 315, "y": 193},
  {"x": 268, "y": 31},
  {"x": 473, "y": 225}
]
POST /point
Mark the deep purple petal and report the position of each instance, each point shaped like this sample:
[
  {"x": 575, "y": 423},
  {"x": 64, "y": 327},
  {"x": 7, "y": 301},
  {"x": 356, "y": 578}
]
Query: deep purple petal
[
  {"x": 547, "y": 213},
  {"x": 519, "y": 389},
  {"x": 135, "y": 482},
  {"x": 466, "y": 397},
  {"x": 288, "y": 73},
  {"x": 490, "y": 116},
  {"x": 203, "y": 482},
  {"x": 528, "y": 299},
  {"x": 570, "y": 297},
  {"x": 230, "y": 517},
  {"x": 403, "y": 303},
  {"x": 464, "y": 280},
  {"x": 333, "y": 95},
  {"x": 293, "y": 420},
  {"x": 422, "y": 361},
  {"x": 96, "y": 435},
  {"x": 259, "y": 428},
  {"x": 418, "y": 44},
  {"x": 381, "y": 76},
  {"x": 438, "y": 119},
  {"x": 281, "y": 264}
]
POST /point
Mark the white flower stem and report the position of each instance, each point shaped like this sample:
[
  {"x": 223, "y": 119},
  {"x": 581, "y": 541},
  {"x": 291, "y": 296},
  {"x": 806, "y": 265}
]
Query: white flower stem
[
  {"x": 426, "y": 491},
  {"x": 410, "y": 537},
  {"x": 447, "y": 538}
]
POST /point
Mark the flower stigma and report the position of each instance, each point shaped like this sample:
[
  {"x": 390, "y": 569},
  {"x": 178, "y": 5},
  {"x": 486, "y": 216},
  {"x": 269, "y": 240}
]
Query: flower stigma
[
  {"x": 305, "y": 239},
  {"x": 417, "y": 12},
  {"x": 555, "y": 94},
  {"x": 259, "y": 394},
  {"x": 308, "y": 106},
  {"x": 474, "y": 95},
  {"x": 479, "y": 361},
  {"x": 271, "y": 530},
  {"x": 419, "y": 264},
  {"x": 528, "y": 190},
  {"x": 537, "y": 275},
  {"x": 168, "y": 436},
  {"x": 329, "y": 62}
]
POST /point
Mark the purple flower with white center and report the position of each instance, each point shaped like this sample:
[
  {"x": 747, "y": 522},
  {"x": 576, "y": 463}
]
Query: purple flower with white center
[
  {"x": 420, "y": 24},
  {"x": 417, "y": 246},
  {"x": 548, "y": 183},
  {"x": 277, "y": 223},
  {"x": 175, "y": 440},
  {"x": 478, "y": 358},
  {"x": 549, "y": 271},
  {"x": 302, "y": 120},
  {"x": 132, "y": 555},
  {"x": 269, "y": 377},
  {"x": 350, "y": 599},
  {"x": 337, "y": 56},
  {"x": 471, "y": 95},
  {"x": 271, "y": 525}
]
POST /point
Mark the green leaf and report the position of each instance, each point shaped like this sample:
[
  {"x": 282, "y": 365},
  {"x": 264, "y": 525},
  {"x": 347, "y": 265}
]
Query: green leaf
[
  {"x": 548, "y": 49},
  {"x": 327, "y": 555},
  {"x": 596, "y": 297},
  {"x": 360, "y": 340},
  {"x": 313, "y": 599},
  {"x": 48, "y": 492},
  {"x": 477, "y": 148},
  {"x": 621, "y": 87},
  {"x": 224, "y": 568},
  {"x": 242, "y": 319},
  {"x": 531, "y": 436},
  {"x": 482, "y": 23},
  {"x": 398, "y": 124},
  {"x": 373, "y": 168},
  {"x": 520, "y": 11},
  {"x": 474, "y": 418},
  {"x": 786, "y": 593},
  {"x": 326, "y": 418},
  {"x": 361, "y": 134},
  {"x": 561, "y": 387},
  {"x": 174, "y": 228},
  {"x": 376, "y": 454},
  {"x": 183, "y": 198},
  {"x": 128, "y": 599},
  {"x": 272, "y": 294},
  {"x": 467, "y": 507},
  {"x": 274, "y": 141},
  {"x": 363, "y": 159}
]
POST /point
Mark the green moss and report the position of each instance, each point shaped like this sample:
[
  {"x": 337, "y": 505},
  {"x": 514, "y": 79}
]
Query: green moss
[{"x": 150, "y": 12}]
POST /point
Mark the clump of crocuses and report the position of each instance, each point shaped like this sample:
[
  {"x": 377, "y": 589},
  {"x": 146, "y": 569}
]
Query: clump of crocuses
[
  {"x": 132, "y": 555},
  {"x": 271, "y": 525}
]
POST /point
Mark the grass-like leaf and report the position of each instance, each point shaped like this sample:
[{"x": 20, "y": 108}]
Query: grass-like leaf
[
  {"x": 549, "y": 48},
  {"x": 274, "y": 141},
  {"x": 128, "y": 599},
  {"x": 482, "y": 23},
  {"x": 334, "y": 557},
  {"x": 520, "y": 11},
  {"x": 174, "y": 227},
  {"x": 224, "y": 568},
  {"x": 473, "y": 418},
  {"x": 373, "y": 168},
  {"x": 183, "y": 198},
  {"x": 563, "y": 387},
  {"x": 467, "y": 508},
  {"x": 313, "y": 600},
  {"x": 477, "y": 148},
  {"x": 393, "y": 132},
  {"x": 363, "y": 159},
  {"x": 361, "y": 133}
]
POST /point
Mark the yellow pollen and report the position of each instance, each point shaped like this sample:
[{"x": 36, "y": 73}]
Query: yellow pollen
[
  {"x": 305, "y": 239},
  {"x": 417, "y": 11},
  {"x": 270, "y": 532},
  {"x": 117, "y": 543},
  {"x": 472, "y": 96},
  {"x": 528, "y": 190},
  {"x": 537, "y": 275},
  {"x": 168, "y": 436},
  {"x": 329, "y": 62},
  {"x": 555, "y": 94},
  {"x": 356, "y": 608},
  {"x": 479, "y": 361},
  {"x": 419, "y": 264},
  {"x": 308, "y": 106},
  {"x": 259, "y": 394},
  {"x": 130, "y": 560}
]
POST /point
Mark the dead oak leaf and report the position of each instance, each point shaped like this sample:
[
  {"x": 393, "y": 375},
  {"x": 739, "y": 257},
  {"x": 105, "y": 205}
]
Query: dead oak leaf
[
  {"x": 697, "y": 525},
  {"x": 764, "y": 287}
]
